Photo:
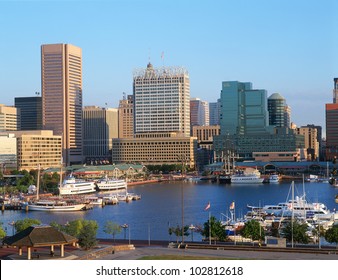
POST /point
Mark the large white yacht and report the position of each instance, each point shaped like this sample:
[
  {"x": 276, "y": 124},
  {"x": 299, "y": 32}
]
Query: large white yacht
[
  {"x": 108, "y": 184},
  {"x": 70, "y": 185},
  {"x": 248, "y": 176}
]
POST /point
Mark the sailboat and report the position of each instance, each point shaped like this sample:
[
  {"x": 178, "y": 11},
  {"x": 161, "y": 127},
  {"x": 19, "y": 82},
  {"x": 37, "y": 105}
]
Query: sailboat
[{"x": 53, "y": 205}]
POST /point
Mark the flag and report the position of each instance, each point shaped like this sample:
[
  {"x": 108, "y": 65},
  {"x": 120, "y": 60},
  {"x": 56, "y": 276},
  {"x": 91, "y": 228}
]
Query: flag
[
  {"x": 232, "y": 205},
  {"x": 207, "y": 206}
]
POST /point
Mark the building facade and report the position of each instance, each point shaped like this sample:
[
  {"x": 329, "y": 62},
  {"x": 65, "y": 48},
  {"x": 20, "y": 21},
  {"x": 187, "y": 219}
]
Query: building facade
[
  {"x": 214, "y": 112},
  {"x": 161, "y": 100},
  {"x": 155, "y": 149},
  {"x": 30, "y": 112},
  {"x": 331, "y": 113},
  {"x": 310, "y": 141},
  {"x": 126, "y": 117},
  {"x": 61, "y": 84},
  {"x": 9, "y": 118},
  {"x": 277, "y": 110},
  {"x": 100, "y": 126},
  {"x": 245, "y": 146},
  {"x": 243, "y": 109},
  {"x": 199, "y": 112},
  {"x": 38, "y": 148},
  {"x": 7, "y": 151}
]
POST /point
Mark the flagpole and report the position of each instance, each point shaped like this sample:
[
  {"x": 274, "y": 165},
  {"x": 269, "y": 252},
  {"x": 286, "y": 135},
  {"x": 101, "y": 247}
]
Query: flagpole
[{"x": 209, "y": 228}]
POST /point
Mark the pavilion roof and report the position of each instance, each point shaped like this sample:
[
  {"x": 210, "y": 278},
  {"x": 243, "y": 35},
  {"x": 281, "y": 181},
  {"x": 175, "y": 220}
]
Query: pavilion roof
[{"x": 42, "y": 235}]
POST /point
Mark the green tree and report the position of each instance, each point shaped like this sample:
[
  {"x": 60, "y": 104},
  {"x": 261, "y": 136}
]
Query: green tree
[
  {"x": 21, "y": 225},
  {"x": 112, "y": 228},
  {"x": 26, "y": 180},
  {"x": 178, "y": 231},
  {"x": 331, "y": 235},
  {"x": 252, "y": 229},
  {"x": 2, "y": 231},
  {"x": 298, "y": 234},
  {"x": 74, "y": 228},
  {"x": 217, "y": 230},
  {"x": 87, "y": 235}
]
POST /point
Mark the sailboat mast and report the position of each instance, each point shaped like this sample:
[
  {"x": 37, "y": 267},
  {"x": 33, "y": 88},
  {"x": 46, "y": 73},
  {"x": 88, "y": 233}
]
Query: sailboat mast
[
  {"x": 292, "y": 205},
  {"x": 38, "y": 183}
]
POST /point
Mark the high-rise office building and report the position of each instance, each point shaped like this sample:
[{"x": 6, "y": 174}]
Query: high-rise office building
[
  {"x": 335, "y": 90},
  {"x": 199, "y": 112},
  {"x": 243, "y": 109},
  {"x": 38, "y": 147},
  {"x": 310, "y": 141},
  {"x": 277, "y": 110},
  {"x": 331, "y": 113},
  {"x": 31, "y": 112},
  {"x": 161, "y": 120},
  {"x": 287, "y": 116},
  {"x": 100, "y": 126},
  {"x": 214, "y": 112},
  {"x": 9, "y": 118},
  {"x": 61, "y": 84},
  {"x": 161, "y": 100},
  {"x": 126, "y": 117}
]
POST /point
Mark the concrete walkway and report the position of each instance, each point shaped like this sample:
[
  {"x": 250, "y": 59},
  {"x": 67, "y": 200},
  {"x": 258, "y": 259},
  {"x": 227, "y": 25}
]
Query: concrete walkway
[{"x": 140, "y": 252}]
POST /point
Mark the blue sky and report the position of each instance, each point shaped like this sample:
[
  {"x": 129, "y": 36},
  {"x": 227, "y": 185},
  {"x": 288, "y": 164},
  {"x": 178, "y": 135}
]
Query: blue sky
[{"x": 282, "y": 46}]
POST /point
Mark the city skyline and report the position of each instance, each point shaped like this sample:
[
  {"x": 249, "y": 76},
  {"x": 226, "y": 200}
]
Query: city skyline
[{"x": 282, "y": 47}]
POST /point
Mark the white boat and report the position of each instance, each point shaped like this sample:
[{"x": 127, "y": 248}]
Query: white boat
[
  {"x": 312, "y": 178},
  {"x": 249, "y": 176},
  {"x": 274, "y": 178},
  {"x": 94, "y": 200},
  {"x": 108, "y": 184},
  {"x": 110, "y": 199},
  {"x": 75, "y": 186},
  {"x": 299, "y": 206},
  {"x": 55, "y": 206}
]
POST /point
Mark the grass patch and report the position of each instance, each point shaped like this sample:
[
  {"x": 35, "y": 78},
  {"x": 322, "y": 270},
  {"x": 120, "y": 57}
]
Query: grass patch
[{"x": 178, "y": 257}]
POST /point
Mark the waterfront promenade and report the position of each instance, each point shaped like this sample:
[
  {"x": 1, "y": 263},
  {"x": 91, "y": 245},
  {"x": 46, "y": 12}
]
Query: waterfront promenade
[{"x": 140, "y": 249}]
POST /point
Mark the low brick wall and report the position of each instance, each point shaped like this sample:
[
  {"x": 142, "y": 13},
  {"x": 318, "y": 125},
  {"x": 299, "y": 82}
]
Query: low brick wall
[{"x": 97, "y": 253}]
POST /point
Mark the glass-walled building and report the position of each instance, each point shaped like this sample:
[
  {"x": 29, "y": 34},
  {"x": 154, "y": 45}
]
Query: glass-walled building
[{"x": 243, "y": 109}]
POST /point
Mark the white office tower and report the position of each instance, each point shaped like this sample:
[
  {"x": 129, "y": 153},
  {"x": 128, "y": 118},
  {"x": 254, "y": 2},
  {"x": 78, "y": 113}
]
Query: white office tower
[{"x": 161, "y": 100}]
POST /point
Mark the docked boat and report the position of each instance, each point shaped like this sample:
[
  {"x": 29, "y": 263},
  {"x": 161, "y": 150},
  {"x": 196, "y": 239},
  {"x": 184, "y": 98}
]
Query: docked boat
[
  {"x": 70, "y": 185},
  {"x": 248, "y": 176},
  {"x": 109, "y": 184},
  {"x": 55, "y": 206},
  {"x": 312, "y": 178},
  {"x": 110, "y": 199},
  {"x": 299, "y": 207},
  {"x": 94, "y": 200},
  {"x": 336, "y": 198},
  {"x": 274, "y": 178}
]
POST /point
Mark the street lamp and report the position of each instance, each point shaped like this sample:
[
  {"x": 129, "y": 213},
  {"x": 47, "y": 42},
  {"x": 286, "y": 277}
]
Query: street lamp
[
  {"x": 192, "y": 229},
  {"x": 13, "y": 226},
  {"x": 124, "y": 226}
]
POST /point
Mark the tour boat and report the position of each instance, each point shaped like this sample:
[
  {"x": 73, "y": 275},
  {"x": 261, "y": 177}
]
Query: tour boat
[
  {"x": 108, "y": 184},
  {"x": 70, "y": 185},
  {"x": 249, "y": 176}
]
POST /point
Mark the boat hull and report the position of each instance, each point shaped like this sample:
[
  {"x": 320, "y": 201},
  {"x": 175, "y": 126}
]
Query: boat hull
[
  {"x": 56, "y": 208},
  {"x": 111, "y": 185}
]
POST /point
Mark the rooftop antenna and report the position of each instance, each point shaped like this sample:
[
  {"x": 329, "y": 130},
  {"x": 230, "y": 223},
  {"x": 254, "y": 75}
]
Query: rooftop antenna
[
  {"x": 124, "y": 96},
  {"x": 149, "y": 54},
  {"x": 162, "y": 58}
]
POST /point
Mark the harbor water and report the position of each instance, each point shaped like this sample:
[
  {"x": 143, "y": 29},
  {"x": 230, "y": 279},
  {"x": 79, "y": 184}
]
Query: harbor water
[{"x": 161, "y": 206}]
